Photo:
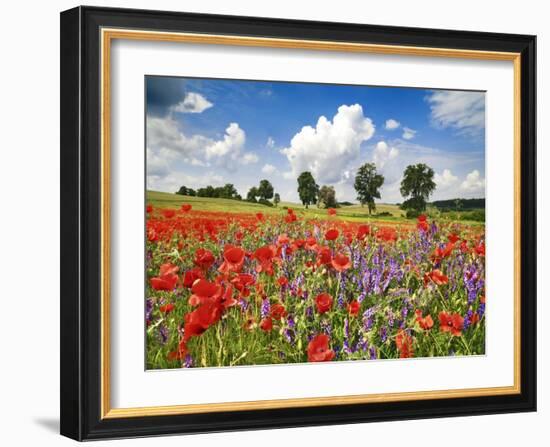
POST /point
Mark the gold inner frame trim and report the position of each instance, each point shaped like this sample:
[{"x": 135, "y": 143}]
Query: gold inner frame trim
[{"x": 107, "y": 36}]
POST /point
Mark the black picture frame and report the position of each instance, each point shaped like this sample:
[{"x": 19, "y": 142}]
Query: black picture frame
[{"x": 81, "y": 230}]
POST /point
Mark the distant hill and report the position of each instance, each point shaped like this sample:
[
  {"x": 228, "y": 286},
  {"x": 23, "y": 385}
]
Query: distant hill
[{"x": 459, "y": 204}]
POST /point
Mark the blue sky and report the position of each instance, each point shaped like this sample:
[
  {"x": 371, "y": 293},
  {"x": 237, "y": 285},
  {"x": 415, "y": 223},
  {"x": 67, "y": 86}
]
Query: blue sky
[{"x": 209, "y": 131}]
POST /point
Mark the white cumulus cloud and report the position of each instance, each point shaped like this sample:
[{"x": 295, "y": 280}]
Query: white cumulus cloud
[
  {"x": 408, "y": 133},
  {"x": 463, "y": 111},
  {"x": 268, "y": 169},
  {"x": 474, "y": 183},
  {"x": 328, "y": 148},
  {"x": 166, "y": 139},
  {"x": 270, "y": 143},
  {"x": 445, "y": 180},
  {"x": 392, "y": 124},
  {"x": 192, "y": 103},
  {"x": 383, "y": 153}
]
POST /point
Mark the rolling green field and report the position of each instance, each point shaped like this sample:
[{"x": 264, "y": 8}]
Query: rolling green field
[{"x": 350, "y": 213}]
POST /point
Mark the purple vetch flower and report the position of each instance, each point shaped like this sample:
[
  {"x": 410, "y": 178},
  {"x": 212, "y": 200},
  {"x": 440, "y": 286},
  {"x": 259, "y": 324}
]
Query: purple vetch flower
[
  {"x": 368, "y": 316},
  {"x": 340, "y": 300},
  {"x": 266, "y": 308},
  {"x": 148, "y": 310},
  {"x": 391, "y": 318},
  {"x": 290, "y": 321},
  {"x": 481, "y": 310},
  {"x": 468, "y": 319},
  {"x": 188, "y": 362},
  {"x": 289, "y": 335},
  {"x": 244, "y": 304},
  {"x": 383, "y": 334},
  {"x": 372, "y": 353},
  {"x": 163, "y": 333},
  {"x": 326, "y": 327},
  {"x": 309, "y": 312}
]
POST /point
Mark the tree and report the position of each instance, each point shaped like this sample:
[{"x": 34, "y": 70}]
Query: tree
[
  {"x": 276, "y": 199},
  {"x": 367, "y": 184},
  {"x": 418, "y": 185},
  {"x": 307, "y": 188},
  {"x": 252, "y": 194},
  {"x": 265, "y": 190},
  {"x": 327, "y": 197},
  {"x": 228, "y": 191},
  {"x": 184, "y": 191}
]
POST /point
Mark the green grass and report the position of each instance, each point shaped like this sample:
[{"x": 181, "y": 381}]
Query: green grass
[{"x": 350, "y": 213}]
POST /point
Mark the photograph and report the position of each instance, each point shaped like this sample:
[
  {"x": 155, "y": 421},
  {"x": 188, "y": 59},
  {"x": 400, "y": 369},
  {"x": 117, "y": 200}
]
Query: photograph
[{"x": 293, "y": 222}]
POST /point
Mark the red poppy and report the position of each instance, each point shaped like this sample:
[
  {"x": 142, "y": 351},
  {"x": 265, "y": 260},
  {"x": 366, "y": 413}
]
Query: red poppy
[
  {"x": 426, "y": 322},
  {"x": 324, "y": 256},
  {"x": 441, "y": 253},
  {"x": 168, "y": 214},
  {"x": 404, "y": 344},
  {"x": 323, "y": 301},
  {"x": 318, "y": 349},
  {"x": 437, "y": 277},
  {"x": 241, "y": 283},
  {"x": 363, "y": 231},
  {"x": 167, "y": 308},
  {"x": 290, "y": 217},
  {"x": 353, "y": 308},
  {"x": 266, "y": 324},
  {"x": 227, "y": 300},
  {"x": 282, "y": 281},
  {"x": 387, "y": 234},
  {"x": 474, "y": 318},
  {"x": 168, "y": 269},
  {"x": 186, "y": 207},
  {"x": 204, "y": 258},
  {"x": 341, "y": 262},
  {"x": 311, "y": 243},
  {"x": 204, "y": 291},
  {"x": 278, "y": 311},
  {"x": 480, "y": 249},
  {"x": 264, "y": 255},
  {"x": 190, "y": 276},
  {"x": 452, "y": 323},
  {"x": 199, "y": 320},
  {"x": 233, "y": 259},
  {"x": 332, "y": 234},
  {"x": 260, "y": 216},
  {"x": 422, "y": 224},
  {"x": 331, "y": 212},
  {"x": 149, "y": 208},
  {"x": 464, "y": 247},
  {"x": 482, "y": 299},
  {"x": 164, "y": 282},
  {"x": 453, "y": 238}
]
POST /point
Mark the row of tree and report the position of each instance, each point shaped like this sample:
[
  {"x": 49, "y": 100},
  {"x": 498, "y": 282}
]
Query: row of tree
[
  {"x": 228, "y": 191},
  {"x": 262, "y": 193},
  {"x": 416, "y": 187}
]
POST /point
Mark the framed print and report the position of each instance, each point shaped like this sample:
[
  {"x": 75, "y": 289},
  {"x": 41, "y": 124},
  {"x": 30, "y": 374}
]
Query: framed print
[{"x": 272, "y": 223}]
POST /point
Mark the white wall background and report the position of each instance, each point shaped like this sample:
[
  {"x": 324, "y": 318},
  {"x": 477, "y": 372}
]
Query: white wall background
[{"x": 29, "y": 235}]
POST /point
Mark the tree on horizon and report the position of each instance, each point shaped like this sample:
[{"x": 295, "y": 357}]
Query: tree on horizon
[
  {"x": 367, "y": 184},
  {"x": 307, "y": 188},
  {"x": 418, "y": 185},
  {"x": 265, "y": 190},
  {"x": 327, "y": 197}
]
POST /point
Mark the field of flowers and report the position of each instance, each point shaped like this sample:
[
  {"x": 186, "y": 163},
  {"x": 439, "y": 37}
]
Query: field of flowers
[{"x": 226, "y": 289}]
